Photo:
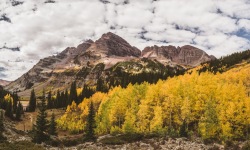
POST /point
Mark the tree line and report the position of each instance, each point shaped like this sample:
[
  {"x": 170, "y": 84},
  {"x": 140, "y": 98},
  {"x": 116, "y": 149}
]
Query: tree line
[{"x": 10, "y": 102}]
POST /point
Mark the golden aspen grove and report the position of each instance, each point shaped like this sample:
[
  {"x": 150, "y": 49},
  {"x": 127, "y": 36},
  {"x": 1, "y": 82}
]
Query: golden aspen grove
[{"x": 213, "y": 106}]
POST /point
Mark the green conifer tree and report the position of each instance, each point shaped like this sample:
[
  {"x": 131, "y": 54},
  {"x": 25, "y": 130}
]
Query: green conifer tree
[
  {"x": 32, "y": 102},
  {"x": 19, "y": 111},
  {"x": 52, "y": 125},
  {"x": 49, "y": 101},
  {"x": 73, "y": 93},
  {"x": 41, "y": 125},
  {"x": 90, "y": 125},
  {"x": 9, "y": 110},
  {"x": 1, "y": 126}
]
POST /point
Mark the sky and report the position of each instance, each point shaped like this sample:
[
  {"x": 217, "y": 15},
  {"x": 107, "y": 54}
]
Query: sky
[{"x": 33, "y": 29}]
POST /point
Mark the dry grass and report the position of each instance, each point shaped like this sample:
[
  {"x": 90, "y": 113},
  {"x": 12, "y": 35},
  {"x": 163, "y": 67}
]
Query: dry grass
[{"x": 29, "y": 118}]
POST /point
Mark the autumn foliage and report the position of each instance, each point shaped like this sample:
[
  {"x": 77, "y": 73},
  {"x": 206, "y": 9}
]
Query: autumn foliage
[{"x": 213, "y": 106}]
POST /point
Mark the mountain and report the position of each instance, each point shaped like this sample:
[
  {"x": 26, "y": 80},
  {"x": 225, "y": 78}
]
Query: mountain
[
  {"x": 225, "y": 63},
  {"x": 111, "y": 59},
  {"x": 4, "y": 82},
  {"x": 186, "y": 55}
]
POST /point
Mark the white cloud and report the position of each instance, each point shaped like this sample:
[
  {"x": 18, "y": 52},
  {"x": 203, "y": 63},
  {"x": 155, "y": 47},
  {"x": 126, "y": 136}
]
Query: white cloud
[
  {"x": 245, "y": 24},
  {"x": 42, "y": 29}
]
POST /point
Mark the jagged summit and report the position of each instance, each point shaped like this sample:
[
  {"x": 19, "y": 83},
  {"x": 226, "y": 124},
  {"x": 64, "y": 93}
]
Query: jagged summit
[
  {"x": 185, "y": 55},
  {"x": 111, "y": 44}
]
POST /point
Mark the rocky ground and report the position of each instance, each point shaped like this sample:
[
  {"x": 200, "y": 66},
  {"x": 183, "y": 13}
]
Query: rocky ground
[
  {"x": 152, "y": 144},
  {"x": 164, "y": 143},
  {"x": 14, "y": 135}
]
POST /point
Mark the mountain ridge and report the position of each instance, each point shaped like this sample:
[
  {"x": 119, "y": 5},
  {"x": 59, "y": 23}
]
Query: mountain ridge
[{"x": 79, "y": 63}]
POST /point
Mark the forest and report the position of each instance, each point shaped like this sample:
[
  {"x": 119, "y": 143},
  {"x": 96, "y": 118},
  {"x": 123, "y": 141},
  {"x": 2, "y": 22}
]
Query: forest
[{"x": 213, "y": 106}]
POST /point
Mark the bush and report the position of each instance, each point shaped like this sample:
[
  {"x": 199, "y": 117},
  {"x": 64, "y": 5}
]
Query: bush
[
  {"x": 231, "y": 145},
  {"x": 210, "y": 140},
  {"x": 53, "y": 143},
  {"x": 71, "y": 142},
  {"x": 115, "y": 130},
  {"x": 122, "y": 139},
  {"x": 131, "y": 137},
  {"x": 112, "y": 141}
]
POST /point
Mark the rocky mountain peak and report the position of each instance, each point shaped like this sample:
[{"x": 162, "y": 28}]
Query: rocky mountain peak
[
  {"x": 185, "y": 55},
  {"x": 111, "y": 44}
]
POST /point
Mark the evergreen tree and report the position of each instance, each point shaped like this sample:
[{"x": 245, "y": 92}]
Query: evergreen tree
[
  {"x": 90, "y": 125},
  {"x": 19, "y": 111},
  {"x": 73, "y": 93},
  {"x": 41, "y": 123},
  {"x": 52, "y": 125},
  {"x": 49, "y": 101},
  {"x": 58, "y": 100},
  {"x": 1, "y": 126},
  {"x": 9, "y": 111},
  {"x": 183, "y": 130},
  {"x": 67, "y": 98},
  {"x": 32, "y": 102},
  {"x": 87, "y": 92},
  {"x": 15, "y": 100},
  {"x": 101, "y": 86}
]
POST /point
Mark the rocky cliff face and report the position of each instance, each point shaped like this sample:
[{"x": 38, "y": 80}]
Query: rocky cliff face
[
  {"x": 110, "y": 44},
  {"x": 91, "y": 60},
  {"x": 186, "y": 55}
]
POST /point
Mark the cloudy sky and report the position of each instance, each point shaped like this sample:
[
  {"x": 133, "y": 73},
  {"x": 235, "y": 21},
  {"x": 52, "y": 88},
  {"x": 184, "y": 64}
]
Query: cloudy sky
[{"x": 34, "y": 29}]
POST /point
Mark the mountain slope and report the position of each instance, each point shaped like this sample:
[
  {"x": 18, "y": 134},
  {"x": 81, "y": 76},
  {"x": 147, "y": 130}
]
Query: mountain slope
[
  {"x": 91, "y": 61},
  {"x": 225, "y": 63},
  {"x": 4, "y": 82}
]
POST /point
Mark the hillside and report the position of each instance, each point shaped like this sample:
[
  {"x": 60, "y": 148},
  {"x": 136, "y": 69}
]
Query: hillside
[
  {"x": 213, "y": 106},
  {"x": 91, "y": 61},
  {"x": 4, "y": 82}
]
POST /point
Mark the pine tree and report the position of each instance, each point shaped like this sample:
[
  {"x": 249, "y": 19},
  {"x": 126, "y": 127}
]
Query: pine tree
[
  {"x": 58, "y": 100},
  {"x": 73, "y": 93},
  {"x": 87, "y": 92},
  {"x": 15, "y": 100},
  {"x": 19, "y": 111},
  {"x": 67, "y": 98},
  {"x": 90, "y": 125},
  {"x": 41, "y": 123},
  {"x": 49, "y": 101},
  {"x": 32, "y": 102},
  {"x": 9, "y": 111},
  {"x": 52, "y": 125},
  {"x": 183, "y": 130},
  {"x": 1, "y": 126}
]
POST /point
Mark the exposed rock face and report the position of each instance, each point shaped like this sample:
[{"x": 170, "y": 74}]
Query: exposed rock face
[
  {"x": 110, "y": 44},
  {"x": 185, "y": 55},
  {"x": 91, "y": 60}
]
